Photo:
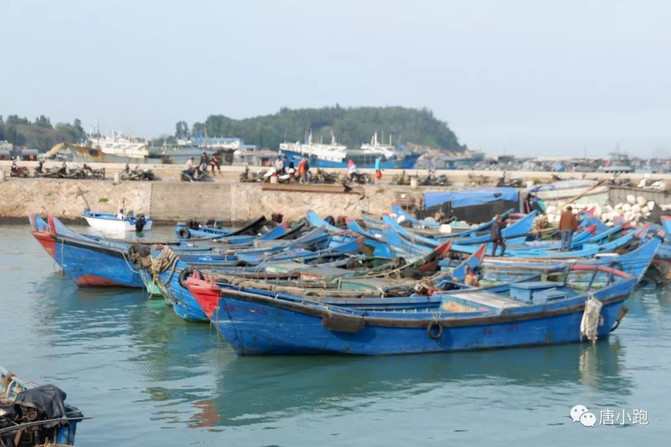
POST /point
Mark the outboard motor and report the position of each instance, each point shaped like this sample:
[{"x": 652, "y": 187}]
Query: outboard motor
[{"x": 140, "y": 222}]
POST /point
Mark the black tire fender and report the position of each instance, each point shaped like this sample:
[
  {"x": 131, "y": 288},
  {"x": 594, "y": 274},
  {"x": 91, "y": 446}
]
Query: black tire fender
[
  {"x": 184, "y": 233},
  {"x": 185, "y": 274},
  {"x": 434, "y": 330}
]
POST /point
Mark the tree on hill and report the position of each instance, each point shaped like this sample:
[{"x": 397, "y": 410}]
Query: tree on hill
[
  {"x": 351, "y": 126},
  {"x": 41, "y": 134}
]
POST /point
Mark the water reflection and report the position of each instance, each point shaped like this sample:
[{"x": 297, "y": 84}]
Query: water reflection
[
  {"x": 253, "y": 390},
  {"x": 123, "y": 351}
]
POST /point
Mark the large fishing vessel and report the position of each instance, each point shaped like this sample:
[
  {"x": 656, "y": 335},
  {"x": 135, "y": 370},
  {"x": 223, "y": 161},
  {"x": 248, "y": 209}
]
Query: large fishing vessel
[
  {"x": 117, "y": 149},
  {"x": 337, "y": 155},
  {"x": 120, "y": 146}
]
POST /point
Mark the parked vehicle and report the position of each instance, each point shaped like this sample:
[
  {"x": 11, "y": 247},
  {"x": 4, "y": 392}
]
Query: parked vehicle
[
  {"x": 195, "y": 175},
  {"x": 70, "y": 173},
  {"x": 41, "y": 171},
  {"x": 247, "y": 177},
  {"x": 322, "y": 176},
  {"x": 432, "y": 180},
  {"x": 137, "y": 174},
  {"x": 90, "y": 173},
  {"x": 288, "y": 177},
  {"x": 18, "y": 171},
  {"x": 359, "y": 178}
]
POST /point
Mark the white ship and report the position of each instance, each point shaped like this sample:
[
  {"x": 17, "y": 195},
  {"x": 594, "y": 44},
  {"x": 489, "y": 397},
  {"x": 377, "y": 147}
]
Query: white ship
[
  {"x": 336, "y": 155},
  {"x": 385, "y": 150},
  {"x": 120, "y": 146},
  {"x": 333, "y": 153}
]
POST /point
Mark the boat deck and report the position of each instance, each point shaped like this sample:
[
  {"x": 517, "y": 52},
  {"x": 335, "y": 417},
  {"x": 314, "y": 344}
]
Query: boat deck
[{"x": 488, "y": 299}]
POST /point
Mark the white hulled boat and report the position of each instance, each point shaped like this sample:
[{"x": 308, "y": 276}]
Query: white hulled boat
[
  {"x": 121, "y": 146},
  {"x": 336, "y": 155}
]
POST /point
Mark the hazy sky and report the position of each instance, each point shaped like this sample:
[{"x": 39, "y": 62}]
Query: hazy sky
[{"x": 528, "y": 77}]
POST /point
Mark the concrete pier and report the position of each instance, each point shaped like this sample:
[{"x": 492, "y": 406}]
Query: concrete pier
[{"x": 224, "y": 198}]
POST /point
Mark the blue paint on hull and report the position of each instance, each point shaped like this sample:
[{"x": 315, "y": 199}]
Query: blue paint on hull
[
  {"x": 254, "y": 324},
  {"x": 183, "y": 302},
  {"x": 408, "y": 162},
  {"x": 252, "y": 329},
  {"x": 91, "y": 265}
]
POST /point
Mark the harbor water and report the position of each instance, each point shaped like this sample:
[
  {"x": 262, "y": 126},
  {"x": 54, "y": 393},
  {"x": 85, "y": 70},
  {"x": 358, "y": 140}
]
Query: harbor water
[{"x": 148, "y": 378}]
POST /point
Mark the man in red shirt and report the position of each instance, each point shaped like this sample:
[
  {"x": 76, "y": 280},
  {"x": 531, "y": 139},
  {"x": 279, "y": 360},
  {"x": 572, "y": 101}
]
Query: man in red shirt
[{"x": 567, "y": 225}]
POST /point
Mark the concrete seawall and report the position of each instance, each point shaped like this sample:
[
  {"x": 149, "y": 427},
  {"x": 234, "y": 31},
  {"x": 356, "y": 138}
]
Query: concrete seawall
[
  {"x": 224, "y": 198},
  {"x": 176, "y": 201}
]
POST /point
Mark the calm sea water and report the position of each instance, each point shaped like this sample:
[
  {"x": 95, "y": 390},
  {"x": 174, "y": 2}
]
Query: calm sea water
[{"x": 148, "y": 378}]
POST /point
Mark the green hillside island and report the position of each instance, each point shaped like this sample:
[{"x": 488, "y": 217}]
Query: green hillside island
[
  {"x": 40, "y": 134},
  {"x": 352, "y": 126}
]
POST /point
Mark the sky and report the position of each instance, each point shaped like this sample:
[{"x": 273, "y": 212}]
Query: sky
[{"x": 521, "y": 77}]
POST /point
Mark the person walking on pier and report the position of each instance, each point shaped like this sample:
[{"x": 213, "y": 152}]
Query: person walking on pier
[
  {"x": 567, "y": 225},
  {"x": 303, "y": 170},
  {"x": 214, "y": 162},
  {"x": 204, "y": 161},
  {"x": 497, "y": 237}
]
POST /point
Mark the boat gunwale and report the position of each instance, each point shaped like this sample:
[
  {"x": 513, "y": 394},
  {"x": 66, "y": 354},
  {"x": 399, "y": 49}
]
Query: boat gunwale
[{"x": 319, "y": 310}]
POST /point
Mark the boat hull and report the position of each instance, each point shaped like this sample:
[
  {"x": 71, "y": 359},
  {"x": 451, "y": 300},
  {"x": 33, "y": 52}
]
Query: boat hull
[
  {"x": 88, "y": 264},
  {"x": 367, "y": 162},
  {"x": 109, "y": 223},
  {"x": 255, "y": 325}
]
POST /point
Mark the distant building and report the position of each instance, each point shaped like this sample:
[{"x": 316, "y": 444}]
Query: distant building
[{"x": 5, "y": 150}]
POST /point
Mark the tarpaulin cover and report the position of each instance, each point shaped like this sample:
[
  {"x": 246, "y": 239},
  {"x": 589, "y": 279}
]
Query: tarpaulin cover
[
  {"x": 46, "y": 398},
  {"x": 470, "y": 197}
]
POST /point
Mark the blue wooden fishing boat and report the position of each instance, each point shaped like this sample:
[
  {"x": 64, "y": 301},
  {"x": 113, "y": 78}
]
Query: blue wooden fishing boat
[
  {"x": 379, "y": 248},
  {"x": 426, "y": 227},
  {"x": 587, "y": 250},
  {"x": 533, "y": 314},
  {"x": 171, "y": 280},
  {"x": 32, "y": 415},
  {"x": 635, "y": 263},
  {"x": 92, "y": 260},
  {"x": 191, "y": 230},
  {"x": 339, "y": 286},
  {"x": 88, "y": 261}
]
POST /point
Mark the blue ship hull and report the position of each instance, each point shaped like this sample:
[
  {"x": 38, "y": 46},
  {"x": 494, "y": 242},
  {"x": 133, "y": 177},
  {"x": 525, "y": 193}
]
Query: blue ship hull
[{"x": 408, "y": 162}]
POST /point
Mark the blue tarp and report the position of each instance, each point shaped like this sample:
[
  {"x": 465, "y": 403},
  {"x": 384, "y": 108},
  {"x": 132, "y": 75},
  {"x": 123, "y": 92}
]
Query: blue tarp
[{"x": 470, "y": 197}]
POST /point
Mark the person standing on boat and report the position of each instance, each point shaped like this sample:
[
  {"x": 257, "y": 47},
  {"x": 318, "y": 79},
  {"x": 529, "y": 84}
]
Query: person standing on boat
[
  {"x": 567, "y": 225},
  {"x": 497, "y": 237}
]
